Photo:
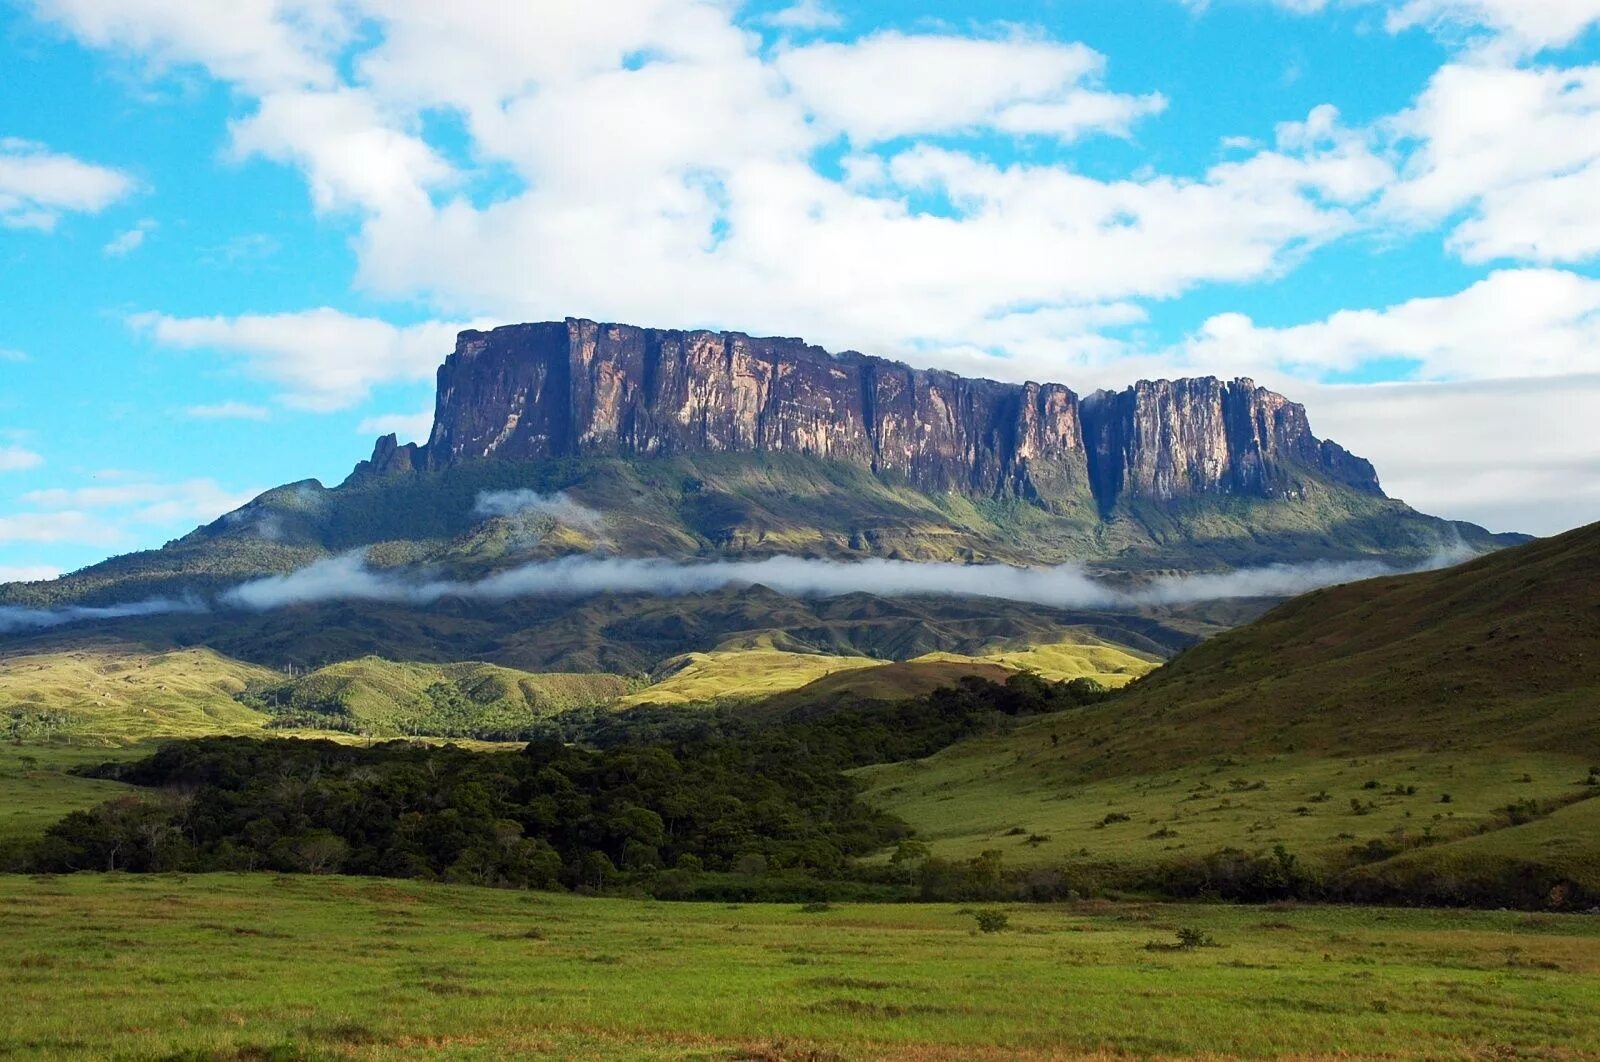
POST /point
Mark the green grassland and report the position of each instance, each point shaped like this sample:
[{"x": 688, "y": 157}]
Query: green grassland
[
  {"x": 383, "y": 697},
  {"x": 1339, "y": 719},
  {"x": 1014, "y": 792},
  {"x": 1078, "y": 656},
  {"x": 740, "y": 674},
  {"x": 37, "y": 790},
  {"x": 258, "y": 966},
  {"x": 109, "y": 692}
]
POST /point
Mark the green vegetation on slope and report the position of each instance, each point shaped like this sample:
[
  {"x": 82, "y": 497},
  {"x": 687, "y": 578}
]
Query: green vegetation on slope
[
  {"x": 39, "y": 786},
  {"x": 739, "y": 674},
  {"x": 1079, "y": 656},
  {"x": 110, "y": 692},
  {"x": 1497, "y": 652},
  {"x": 384, "y": 698},
  {"x": 1392, "y": 735},
  {"x": 258, "y": 966}
]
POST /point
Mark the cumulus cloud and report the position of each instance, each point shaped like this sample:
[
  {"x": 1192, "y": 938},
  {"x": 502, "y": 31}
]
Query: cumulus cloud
[
  {"x": 945, "y": 84},
  {"x": 559, "y": 506},
  {"x": 1510, "y": 26},
  {"x": 326, "y": 360},
  {"x": 38, "y": 185},
  {"x": 18, "y": 459},
  {"x": 707, "y": 174},
  {"x": 1514, "y": 323},
  {"x": 1517, "y": 150}
]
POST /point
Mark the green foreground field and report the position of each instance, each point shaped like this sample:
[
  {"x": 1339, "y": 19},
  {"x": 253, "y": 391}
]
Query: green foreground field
[{"x": 259, "y": 966}]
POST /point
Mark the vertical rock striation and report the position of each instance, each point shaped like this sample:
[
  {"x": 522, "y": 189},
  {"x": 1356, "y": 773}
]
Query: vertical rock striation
[{"x": 577, "y": 388}]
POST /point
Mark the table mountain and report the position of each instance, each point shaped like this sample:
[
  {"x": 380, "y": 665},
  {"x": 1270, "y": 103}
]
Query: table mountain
[
  {"x": 578, "y": 389},
  {"x": 651, "y": 442}
]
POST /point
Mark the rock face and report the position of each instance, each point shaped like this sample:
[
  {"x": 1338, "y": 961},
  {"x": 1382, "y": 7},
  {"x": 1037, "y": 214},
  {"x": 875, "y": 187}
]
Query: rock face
[{"x": 577, "y": 388}]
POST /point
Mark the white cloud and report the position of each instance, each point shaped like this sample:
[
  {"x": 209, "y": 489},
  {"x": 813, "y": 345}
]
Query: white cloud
[
  {"x": 1513, "y": 455},
  {"x": 1514, "y": 323},
  {"x": 943, "y": 84},
  {"x": 1493, "y": 28},
  {"x": 352, "y": 152},
  {"x": 27, "y": 573},
  {"x": 228, "y": 411},
  {"x": 1518, "y": 149},
  {"x": 806, "y": 15},
  {"x": 409, "y": 427},
  {"x": 700, "y": 204},
  {"x": 18, "y": 459},
  {"x": 261, "y": 44},
  {"x": 144, "y": 502},
  {"x": 126, "y": 243},
  {"x": 325, "y": 359},
  {"x": 1518, "y": 26},
  {"x": 37, "y": 185},
  {"x": 13, "y": 356},
  {"x": 59, "y": 527}
]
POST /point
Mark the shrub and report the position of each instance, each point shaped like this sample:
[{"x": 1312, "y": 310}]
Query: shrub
[{"x": 991, "y": 921}]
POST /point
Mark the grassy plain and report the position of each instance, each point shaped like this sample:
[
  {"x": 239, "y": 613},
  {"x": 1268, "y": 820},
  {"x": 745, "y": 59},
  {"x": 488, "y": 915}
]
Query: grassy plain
[
  {"x": 257, "y": 966},
  {"x": 36, "y": 790},
  {"x": 1015, "y": 792}
]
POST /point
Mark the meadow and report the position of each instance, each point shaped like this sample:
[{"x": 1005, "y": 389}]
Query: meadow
[
  {"x": 1013, "y": 792},
  {"x": 262, "y": 966}
]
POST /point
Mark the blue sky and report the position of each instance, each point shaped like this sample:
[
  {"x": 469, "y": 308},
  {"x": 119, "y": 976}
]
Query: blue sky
[{"x": 236, "y": 239}]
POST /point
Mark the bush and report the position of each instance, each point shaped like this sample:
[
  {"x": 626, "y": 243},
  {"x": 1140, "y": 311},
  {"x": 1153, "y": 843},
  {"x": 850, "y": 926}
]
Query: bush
[{"x": 991, "y": 921}]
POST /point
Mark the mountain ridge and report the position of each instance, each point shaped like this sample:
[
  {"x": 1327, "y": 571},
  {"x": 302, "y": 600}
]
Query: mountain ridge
[{"x": 580, "y": 388}]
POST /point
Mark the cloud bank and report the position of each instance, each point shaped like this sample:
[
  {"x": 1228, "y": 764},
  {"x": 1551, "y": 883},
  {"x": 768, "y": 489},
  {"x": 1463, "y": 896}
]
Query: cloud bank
[
  {"x": 347, "y": 578},
  {"x": 20, "y": 619}
]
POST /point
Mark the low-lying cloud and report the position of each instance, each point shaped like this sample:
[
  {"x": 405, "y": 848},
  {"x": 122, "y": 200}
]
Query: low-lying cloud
[
  {"x": 559, "y": 506},
  {"x": 348, "y": 578},
  {"x": 14, "y": 618}
]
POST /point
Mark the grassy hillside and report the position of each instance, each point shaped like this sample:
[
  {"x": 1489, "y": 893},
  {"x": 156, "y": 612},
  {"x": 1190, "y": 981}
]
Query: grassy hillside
[
  {"x": 107, "y": 691},
  {"x": 1430, "y": 728},
  {"x": 1078, "y": 656},
  {"x": 382, "y": 697},
  {"x": 740, "y": 674},
  {"x": 771, "y": 664},
  {"x": 261, "y": 966},
  {"x": 1498, "y": 652}
]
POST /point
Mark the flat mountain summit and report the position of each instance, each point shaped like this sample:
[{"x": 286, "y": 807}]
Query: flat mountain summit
[
  {"x": 576, "y": 437},
  {"x": 578, "y": 389}
]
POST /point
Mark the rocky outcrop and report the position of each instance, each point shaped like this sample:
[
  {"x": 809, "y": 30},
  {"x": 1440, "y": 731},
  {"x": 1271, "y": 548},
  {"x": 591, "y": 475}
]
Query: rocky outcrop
[
  {"x": 577, "y": 388},
  {"x": 1166, "y": 439}
]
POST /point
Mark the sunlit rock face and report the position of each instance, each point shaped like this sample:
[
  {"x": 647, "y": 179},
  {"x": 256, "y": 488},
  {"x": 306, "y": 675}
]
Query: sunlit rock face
[{"x": 577, "y": 388}]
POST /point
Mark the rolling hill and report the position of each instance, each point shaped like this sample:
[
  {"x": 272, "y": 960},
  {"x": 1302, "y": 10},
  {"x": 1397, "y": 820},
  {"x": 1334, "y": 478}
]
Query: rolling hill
[{"x": 1437, "y": 729}]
